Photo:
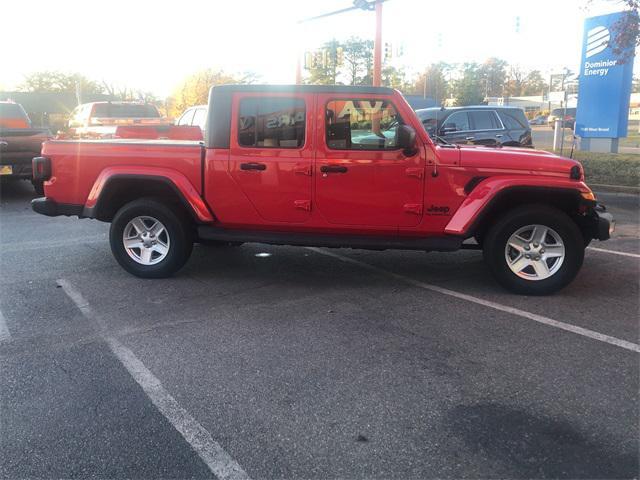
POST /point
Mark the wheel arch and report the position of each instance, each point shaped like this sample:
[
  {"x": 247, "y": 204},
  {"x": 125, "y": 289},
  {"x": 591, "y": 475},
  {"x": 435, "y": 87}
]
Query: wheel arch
[
  {"x": 114, "y": 190},
  {"x": 476, "y": 221}
]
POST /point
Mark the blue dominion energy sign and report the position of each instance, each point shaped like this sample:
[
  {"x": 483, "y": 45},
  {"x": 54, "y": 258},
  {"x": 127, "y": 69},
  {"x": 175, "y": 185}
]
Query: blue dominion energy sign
[{"x": 605, "y": 80}]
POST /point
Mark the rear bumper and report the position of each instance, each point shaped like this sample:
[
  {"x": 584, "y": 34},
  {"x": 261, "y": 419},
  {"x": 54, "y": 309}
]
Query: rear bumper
[
  {"x": 20, "y": 163},
  {"x": 50, "y": 208}
]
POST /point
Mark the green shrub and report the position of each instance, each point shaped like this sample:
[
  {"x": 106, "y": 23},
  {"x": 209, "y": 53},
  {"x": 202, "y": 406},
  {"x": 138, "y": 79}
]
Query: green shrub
[{"x": 610, "y": 168}]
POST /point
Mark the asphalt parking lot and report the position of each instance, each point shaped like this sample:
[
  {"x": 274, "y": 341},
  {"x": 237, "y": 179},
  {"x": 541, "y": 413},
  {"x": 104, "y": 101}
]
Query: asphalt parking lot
[{"x": 278, "y": 362}]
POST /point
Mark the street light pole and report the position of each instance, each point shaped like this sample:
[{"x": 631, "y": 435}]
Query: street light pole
[
  {"x": 377, "y": 47},
  {"x": 366, "y": 5}
]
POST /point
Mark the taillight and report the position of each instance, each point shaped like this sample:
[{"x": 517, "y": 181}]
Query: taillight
[{"x": 41, "y": 168}]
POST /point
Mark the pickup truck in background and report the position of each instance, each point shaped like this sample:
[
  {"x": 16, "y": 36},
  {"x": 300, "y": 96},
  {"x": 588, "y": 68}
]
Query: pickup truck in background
[
  {"x": 19, "y": 143},
  {"x": 101, "y": 119},
  {"x": 332, "y": 166}
]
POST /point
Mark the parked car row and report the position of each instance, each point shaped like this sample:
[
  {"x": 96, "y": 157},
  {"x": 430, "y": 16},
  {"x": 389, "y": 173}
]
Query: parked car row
[{"x": 568, "y": 115}]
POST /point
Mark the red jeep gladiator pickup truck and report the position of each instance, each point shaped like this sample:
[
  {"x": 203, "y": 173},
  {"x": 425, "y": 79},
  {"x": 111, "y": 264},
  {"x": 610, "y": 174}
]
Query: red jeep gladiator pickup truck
[{"x": 332, "y": 166}]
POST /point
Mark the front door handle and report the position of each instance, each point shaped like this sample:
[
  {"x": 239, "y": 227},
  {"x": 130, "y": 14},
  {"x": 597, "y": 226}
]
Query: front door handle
[
  {"x": 499, "y": 135},
  {"x": 253, "y": 166},
  {"x": 333, "y": 169},
  {"x": 469, "y": 138}
]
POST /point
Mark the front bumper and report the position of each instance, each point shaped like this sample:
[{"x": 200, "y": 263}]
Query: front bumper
[
  {"x": 601, "y": 223},
  {"x": 605, "y": 223},
  {"x": 50, "y": 208}
]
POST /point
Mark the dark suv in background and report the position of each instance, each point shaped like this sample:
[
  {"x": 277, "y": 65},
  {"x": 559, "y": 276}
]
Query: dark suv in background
[{"x": 480, "y": 125}]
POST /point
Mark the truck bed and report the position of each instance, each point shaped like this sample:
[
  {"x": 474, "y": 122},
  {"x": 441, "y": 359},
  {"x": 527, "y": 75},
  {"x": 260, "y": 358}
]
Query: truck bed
[{"x": 79, "y": 163}]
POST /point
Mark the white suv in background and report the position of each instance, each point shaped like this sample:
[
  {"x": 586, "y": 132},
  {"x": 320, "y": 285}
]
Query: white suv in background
[{"x": 194, "y": 116}]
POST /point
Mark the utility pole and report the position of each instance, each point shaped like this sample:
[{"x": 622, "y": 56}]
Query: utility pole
[
  {"x": 367, "y": 5},
  {"x": 377, "y": 47}
]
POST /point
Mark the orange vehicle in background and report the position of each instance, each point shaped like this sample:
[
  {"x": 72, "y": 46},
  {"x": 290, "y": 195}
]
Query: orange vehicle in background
[{"x": 19, "y": 143}]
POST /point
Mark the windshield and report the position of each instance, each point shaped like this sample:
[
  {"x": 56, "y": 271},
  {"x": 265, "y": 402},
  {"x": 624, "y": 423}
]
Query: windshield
[
  {"x": 125, "y": 110},
  {"x": 429, "y": 119},
  {"x": 12, "y": 110}
]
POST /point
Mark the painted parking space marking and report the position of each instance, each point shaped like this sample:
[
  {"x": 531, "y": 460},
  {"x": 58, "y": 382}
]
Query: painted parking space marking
[
  {"x": 211, "y": 452},
  {"x": 585, "y": 332},
  {"x": 4, "y": 330},
  {"x": 614, "y": 252}
]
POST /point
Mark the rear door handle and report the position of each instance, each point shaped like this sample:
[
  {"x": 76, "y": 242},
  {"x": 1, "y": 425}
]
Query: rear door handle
[
  {"x": 253, "y": 166},
  {"x": 333, "y": 169},
  {"x": 469, "y": 138},
  {"x": 499, "y": 135}
]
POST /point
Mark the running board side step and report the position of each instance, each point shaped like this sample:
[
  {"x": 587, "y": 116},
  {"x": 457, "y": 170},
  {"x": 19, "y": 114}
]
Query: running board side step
[{"x": 440, "y": 244}]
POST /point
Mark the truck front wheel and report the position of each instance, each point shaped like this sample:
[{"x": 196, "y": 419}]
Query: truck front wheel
[
  {"x": 534, "y": 250},
  {"x": 150, "y": 239}
]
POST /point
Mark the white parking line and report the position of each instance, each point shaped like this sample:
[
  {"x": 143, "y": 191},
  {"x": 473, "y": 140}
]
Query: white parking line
[
  {"x": 4, "y": 330},
  {"x": 487, "y": 303},
  {"x": 614, "y": 252},
  {"x": 211, "y": 452}
]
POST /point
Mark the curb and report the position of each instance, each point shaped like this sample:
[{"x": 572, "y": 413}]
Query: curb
[{"x": 615, "y": 188}]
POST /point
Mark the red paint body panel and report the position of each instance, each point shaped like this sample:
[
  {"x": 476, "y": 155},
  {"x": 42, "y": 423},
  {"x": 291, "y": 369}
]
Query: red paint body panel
[
  {"x": 378, "y": 184},
  {"x": 381, "y": 193},
  {"x": 78, "y": 165},
  {"x": 188, "y": 191},
  {"x": 473, "y": 205},
  {"x": 275, "y": 192}
]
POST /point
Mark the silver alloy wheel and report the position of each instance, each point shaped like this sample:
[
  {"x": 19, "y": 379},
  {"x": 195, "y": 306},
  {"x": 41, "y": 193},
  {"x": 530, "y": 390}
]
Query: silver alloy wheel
[
  {"x": 146, "y": 240},
  {"x": 534, "y": 252}
]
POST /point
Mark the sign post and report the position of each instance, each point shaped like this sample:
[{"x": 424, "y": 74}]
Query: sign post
[{"x": 605, "y": 86}]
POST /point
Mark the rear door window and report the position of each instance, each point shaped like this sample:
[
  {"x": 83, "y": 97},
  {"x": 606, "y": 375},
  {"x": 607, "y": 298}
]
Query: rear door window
[
  {"x": 458, "y": 120},
  {"x": 484, "y": 120},
  {"x": 271, "y": 122}
]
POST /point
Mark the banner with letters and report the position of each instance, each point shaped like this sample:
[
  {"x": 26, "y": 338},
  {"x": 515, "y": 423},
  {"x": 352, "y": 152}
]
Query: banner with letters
[{"x": 605, "y": 80}]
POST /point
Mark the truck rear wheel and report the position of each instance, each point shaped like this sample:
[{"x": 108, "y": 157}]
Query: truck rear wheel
[
  {"x": 534, "y": 250},
  {"x": 150, "y": 239}
]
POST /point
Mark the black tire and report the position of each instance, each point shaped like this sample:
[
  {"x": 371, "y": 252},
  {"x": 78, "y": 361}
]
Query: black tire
[
  {"x": 178, "y": 229},
  {"x": 498, "y": 235},
  {"x": 38, "y": 186}
]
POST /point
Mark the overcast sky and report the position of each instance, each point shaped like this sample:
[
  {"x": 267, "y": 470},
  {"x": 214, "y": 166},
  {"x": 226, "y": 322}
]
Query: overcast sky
[{"x": 153, "y": 45}]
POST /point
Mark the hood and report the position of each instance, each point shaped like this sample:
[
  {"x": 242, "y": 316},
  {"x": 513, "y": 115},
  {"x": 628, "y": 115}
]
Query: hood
[{"x": 516, "y": 160}]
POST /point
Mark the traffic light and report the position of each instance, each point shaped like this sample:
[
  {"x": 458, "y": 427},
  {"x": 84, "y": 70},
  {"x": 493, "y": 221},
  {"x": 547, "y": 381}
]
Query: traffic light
[
  {"x": 339, "y": 56},
  {"x": 388, "y": 51},
  {"x": 518, "y": 24}
]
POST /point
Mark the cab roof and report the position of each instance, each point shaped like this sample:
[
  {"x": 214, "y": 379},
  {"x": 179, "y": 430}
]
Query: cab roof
[{"x": 360, "y": 89}]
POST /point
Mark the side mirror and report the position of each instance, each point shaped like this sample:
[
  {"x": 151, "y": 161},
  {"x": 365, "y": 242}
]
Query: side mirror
[{"x": 407, "y": 140}]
